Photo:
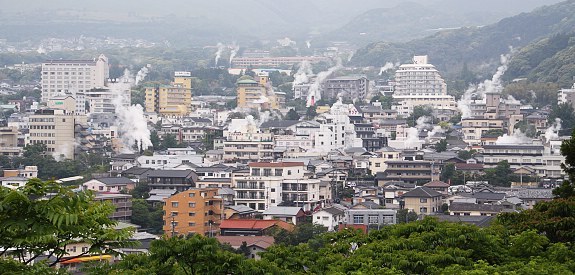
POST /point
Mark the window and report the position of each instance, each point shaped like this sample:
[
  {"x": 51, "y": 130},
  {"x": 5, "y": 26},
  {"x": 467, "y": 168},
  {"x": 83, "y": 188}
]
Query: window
[
  {"x": 373, "y": 219},
  {"x": 175, "y": 204},
  {"x": 423, "y": 200},
  {"x": 191, "y": 214},
  {"x": 192, "y": 195},
  {"x": 423, "y": 209},
  {"x": 192, "y": 224},
  {"x": 289, "y": 172},
  {"x": 357, "y": 219},
  {"x": 273, "y": 190},
  {"x": 378, "y": 164},
  {"x": 174, "y": 214},
  {"x": 278, "y": 172}
]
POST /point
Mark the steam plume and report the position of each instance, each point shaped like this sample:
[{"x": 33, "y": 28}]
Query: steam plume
[
  {"x": 314, "y": 93},
  {"x": 303, "y": 73},
  {"x": 517, "y": 138},
  {"x": 142, "y": 73},
  {"x": 387, "y": 66},
  {"x": 553, "y": 131},
  {"x": 233, "y": 52},
  {"x": 219, "y": 53}
]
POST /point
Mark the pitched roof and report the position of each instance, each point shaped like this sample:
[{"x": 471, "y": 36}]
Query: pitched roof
[
  {"x": 469, "y": 166},
  {"x": 421, "y": 192},
  {"x": 437, "y": 184},
  {"x": 237, "y": 241},
  {"x": 481, "y": 221},
  {"x": 242, "y": 209},
  {"x": 170, "y": 173},
  {"x": 282, "y": 211},
  {"x": 488, "y": 195},
  {"x": 254, "y": 224},
  {"x": 333, "y": 211},
  {"x": 115, "y": 181},
  {"x": 457, "y": 206},
  {"x": 136, "y": 170},
  {"x": 275, "y": 164}
]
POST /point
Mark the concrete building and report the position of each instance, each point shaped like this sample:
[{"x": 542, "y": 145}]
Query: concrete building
[
  {"x": 329, "y": 217},
  {"x": 252, "y": 94},
  {"x": 416, "y": 171},
  {"x": 273, "y": 62},
  {"x": 370, "y": 217},
  {"x": 194, "y": 210},
  {"x": 73, "y": 76},
  {"x": 171, "y": 100},
  {"x": 566, "y": 96},
  {"x": 349, "y": 87},
  {"x": 55, "y": 129},
  {"x": 121, "y": 202},
  {"x": 8, "y": 137},
  {"x": 419, "y": 78}
]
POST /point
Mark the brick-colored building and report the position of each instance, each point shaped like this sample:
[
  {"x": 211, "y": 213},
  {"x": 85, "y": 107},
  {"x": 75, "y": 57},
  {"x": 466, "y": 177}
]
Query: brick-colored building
[{"x": 196, "y": 210}]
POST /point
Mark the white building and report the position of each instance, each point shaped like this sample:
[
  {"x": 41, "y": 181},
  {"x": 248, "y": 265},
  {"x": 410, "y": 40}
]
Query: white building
[
  {"x": 55, "y": 129},
  {"x": 329, "y": 217},
  {"x": 170, "y": 161},
  {"x": 73, "y": 76},
  {"x": 336, "y": 130}
]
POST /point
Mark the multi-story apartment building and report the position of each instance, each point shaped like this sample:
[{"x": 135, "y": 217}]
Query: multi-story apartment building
[
  {"x": 423, "y": 200},
  {"x": 348, "y": 87},
  {"x": 252, "y": 94},
  {"x": 416, "y": 171},
  {"x": 171, "y": 100},
  {"x": 474, "y": 128},
  {"x": 247, "y": 147},
  {"x": 420, "y": 84},
  {"x": 121, "y": 202},
  {"x": 195, "y": 210},
  {"x": 566, "y": 96},
  {"x": 106, "y": 99},
  {"x": 419, "y": 78},
  {"x": 55, "y": 129},
  {"x": 545, "y": 161},
  {"x": 262, "y": 187},
  {"x": 73, "y": 76}
]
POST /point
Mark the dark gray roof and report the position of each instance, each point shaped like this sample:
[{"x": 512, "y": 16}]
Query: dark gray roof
[
  {"x": 488, "y": 196},
  {"x": 136, "y": 170},
  {"x": 241, "y": 209},
  {"x": 214, "y": 168},
  {"x": 535, "y": 193},
  {"x": 171, "y": 173},
  {"x": 513, "y": 146},
  {"x": 422, "y": 192},
  {"x": 481, "y": 221},
  {"x": 457, "y": 206},
  {"x": 278, "y": 124},
  {"x": 333, "y": 211},
  {"x": 115, "y": 181}
]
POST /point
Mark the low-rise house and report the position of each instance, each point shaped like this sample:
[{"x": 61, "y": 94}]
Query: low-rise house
[
  {"x": 471, "y": 209},
  {"x": 234, "y": 212},
  {"x": 423, "y": 200},
  {"x": 110, "y": 185},
  {"x": 293, "y": 215},
  {"x": 255, "y": 244},
  {"x": 252, "y": 227},
  {"x": 136, "y": 174},
  {"x": 393, "y": 192},
  {"x": 160, "y": 195},
  {"x": 487, "y": 196},
  {"x": 329, "y": 217},
  {"x": 531, "y": 196},
  {"x": 438, "y": 186},
  {"x": 13, "y": 182}
]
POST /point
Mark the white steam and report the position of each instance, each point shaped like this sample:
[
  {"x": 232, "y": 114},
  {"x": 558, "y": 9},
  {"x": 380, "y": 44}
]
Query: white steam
[
  {"x": 142, "y": 73},
  {"x": 314, "y": 93},
  {"x": 132, "y": 125},
  {"x": 553, "y": 131},
  {"x": 303, "y": 73},
  {"x": 518, "y": 137},
  {"x": 233, "y": 52},
  {"x": 286, "y": 42},
  {"x": 492, "y": 85},
  {"x": 412, "y": 138},
  {"x": 308, "y": 43},
  {"x": 386, "y": 67},
  {"x": 218, "y": 53}
]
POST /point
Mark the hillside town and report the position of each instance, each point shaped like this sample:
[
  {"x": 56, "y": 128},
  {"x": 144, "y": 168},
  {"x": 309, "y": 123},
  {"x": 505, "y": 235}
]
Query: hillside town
[{"x": 259, "y": 150}]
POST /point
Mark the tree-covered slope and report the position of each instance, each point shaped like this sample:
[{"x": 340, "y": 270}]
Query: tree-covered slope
[{"x": 476, "y": 46}]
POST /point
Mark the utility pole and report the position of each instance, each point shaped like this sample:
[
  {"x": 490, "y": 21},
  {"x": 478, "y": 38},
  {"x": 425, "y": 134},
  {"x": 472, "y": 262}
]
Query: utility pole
[{"x": 173, "y": 226}]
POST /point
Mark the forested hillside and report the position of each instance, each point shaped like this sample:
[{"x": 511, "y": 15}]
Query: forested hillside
[{"x": 479, "y": 47}]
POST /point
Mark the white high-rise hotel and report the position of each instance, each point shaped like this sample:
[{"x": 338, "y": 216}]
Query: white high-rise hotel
[
  {"x": 73, "y": 77},
  {"x": 420, "y": 84}
]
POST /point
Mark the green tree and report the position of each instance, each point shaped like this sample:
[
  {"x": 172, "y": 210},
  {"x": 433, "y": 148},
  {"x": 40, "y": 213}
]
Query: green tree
[
  {"x": 465, "y": 155},
  {"x": 566, "y": 113},
  {"x": 292, "y": 115},
  {"x": 441, "y": 146},
  {"x": 386, "y": 101},
  {"x": 447, "y": 172},
  {"x": 403, "y": 216},
  {"x": 419, "y": 111},
  {"x": 45, "y": 217},
  {"x": 311, "y": 112},
  {"x": 501, "y": 175}
]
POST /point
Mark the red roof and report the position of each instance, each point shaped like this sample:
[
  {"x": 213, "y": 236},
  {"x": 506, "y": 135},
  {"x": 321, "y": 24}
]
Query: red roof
[
  {"x": 254, "y": 224},
  {"x": 275, "y": 164}
]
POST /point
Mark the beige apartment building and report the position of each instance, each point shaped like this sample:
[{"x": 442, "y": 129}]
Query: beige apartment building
[
  {"x": 55, "y": 129},
  {"x": 196, "y": 210},
  {"x": 171, "y": 100}
]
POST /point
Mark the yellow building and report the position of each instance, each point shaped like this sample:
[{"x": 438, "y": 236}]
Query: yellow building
[
  {"x": 259, "y": 94},
  {"x": 171, "y": 100}
]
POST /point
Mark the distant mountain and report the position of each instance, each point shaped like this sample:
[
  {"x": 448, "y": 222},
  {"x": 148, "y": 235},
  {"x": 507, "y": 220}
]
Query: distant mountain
[
  {"x": 550, "y": 59},
  {"x": 478, "y": 47}
]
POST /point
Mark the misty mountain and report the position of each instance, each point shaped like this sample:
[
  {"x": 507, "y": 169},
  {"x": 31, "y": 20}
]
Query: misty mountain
[
  {"x": 198, "y": 22},
  {"x": 479, "y": 47}
]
